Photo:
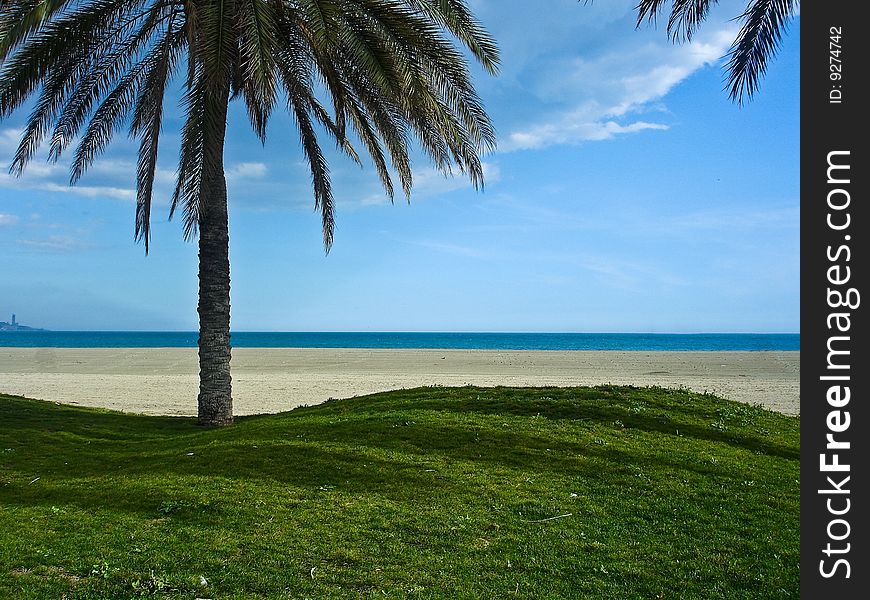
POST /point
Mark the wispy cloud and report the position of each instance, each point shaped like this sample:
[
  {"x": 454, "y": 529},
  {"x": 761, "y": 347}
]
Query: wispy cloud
[
  {"x": 89, "y": 191},
  {"x": 610, "y": 90},
  {"x": 448, "y": 248},
  {"x": 124, "y": 170},
  {"x": 429, "y": 182},
  {"x": 642, "y": 222},
  {"x": 765, "y": 219},
  {"x": 54, "y": 177},
  {"x": 572, "y": 128},
  {"x": 92, "y": 191},
  {"x": 629, "y": 275},
  {"x": 9, "y": 138},
  {"x": 111, "y": 177},
  {"x": 247, "y": 170},
  {"x": 6, "y": 219},
  {"x": 56, "y": 244},
  {"x": 432, "y": 182}
]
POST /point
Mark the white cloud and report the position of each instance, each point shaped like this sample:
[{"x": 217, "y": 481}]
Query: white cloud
[
  {"x": 374, "y": 199},
  {"x": 52, "y": 178},
  {"x": 6, "y": 219},
  {"x": 491, "y": 172},
  {"x": 432, "y": 182},
  {"x": 9, "y": 139},
  {"x": 89, "y": 191},
  {"x": 110, "y": 177},
  {"x": 41, "y": 170},
  {"x": 447, "y": 248},
  {"x": 572, "y": 128},
  {"x": 247, "y": 170},
  {"x": 92, "y": 191},
  {"x": 112, "y": 166},
  {"x": 56, "y": 243},
  {"x": 605, "y": 90},
  {"x": 166, "y": 177},
  {"x": 427, "y": 183}
]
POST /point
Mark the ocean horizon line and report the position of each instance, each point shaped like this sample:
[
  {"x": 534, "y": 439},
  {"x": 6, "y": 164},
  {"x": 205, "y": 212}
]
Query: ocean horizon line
[
  {"x": 414, "y": 340},
  {"x": 423, "y": 331}
]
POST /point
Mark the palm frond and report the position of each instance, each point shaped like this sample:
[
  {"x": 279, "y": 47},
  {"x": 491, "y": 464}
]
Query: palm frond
[
  {"x": 105, "y": 74},
  {"x": 58, "y": 57},
  {"x": 389, "y": 70},
  {"x": 647, "y": 10},
  {"x": 112, "y": 112},
  {"x": 456, "y": 16},
  {"x": 147, "y": 118},
  {"x": 687, "y": 17},
  {"x": 323, "y": 199},
  {"x": 764, "y": 22},
  {"x": 18, "y": 20},
  {"x": 190, "y": 163},
  {"x": 258, "y": 39},
  {"x": 68, "y": 42},
  {"x": 216, "y": 45}
]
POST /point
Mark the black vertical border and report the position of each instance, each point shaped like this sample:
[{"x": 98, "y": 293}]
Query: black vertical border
[{"x": 828, "y": 126}]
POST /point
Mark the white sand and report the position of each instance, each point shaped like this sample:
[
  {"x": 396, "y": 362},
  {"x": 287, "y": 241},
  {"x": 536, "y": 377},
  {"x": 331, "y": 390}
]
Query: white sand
[{"x": 266, "y": 380}]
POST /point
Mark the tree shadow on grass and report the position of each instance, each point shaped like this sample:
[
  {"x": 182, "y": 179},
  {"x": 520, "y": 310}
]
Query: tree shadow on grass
[
  {"x": 93, "y": 458},
  {"x": 26, "y": 417}
]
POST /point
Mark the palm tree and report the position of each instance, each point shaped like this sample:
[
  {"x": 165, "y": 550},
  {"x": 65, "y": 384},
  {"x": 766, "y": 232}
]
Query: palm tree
[
  {"x": 763, "y": 23},
  {"x": 391, "y": 69}
]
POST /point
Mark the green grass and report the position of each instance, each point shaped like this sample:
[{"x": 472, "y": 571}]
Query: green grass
[{"x": 424, "y": 493}]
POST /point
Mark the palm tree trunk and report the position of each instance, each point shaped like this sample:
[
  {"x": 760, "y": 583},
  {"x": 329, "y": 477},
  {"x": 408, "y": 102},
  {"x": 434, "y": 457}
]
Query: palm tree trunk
[{"x": 215, "y": 400}]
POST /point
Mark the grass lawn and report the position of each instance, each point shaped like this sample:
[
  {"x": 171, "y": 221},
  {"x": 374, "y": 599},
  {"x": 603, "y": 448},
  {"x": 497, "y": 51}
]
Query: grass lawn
[{"x": 606, "y": 492}]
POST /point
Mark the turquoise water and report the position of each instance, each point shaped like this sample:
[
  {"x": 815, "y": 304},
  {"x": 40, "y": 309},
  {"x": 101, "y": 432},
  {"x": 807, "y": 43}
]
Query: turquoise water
[{"x": 469, "y": 341}]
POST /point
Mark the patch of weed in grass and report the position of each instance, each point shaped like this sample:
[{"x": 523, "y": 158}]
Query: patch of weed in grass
[{"x": 168, "y": 507}]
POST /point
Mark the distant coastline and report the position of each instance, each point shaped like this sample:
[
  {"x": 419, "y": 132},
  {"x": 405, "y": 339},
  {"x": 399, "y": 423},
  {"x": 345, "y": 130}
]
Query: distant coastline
[
  {"x": 9, "y": 327},
  {"x": 416, "y": 340},
  {"x": 14, "y": 325}
]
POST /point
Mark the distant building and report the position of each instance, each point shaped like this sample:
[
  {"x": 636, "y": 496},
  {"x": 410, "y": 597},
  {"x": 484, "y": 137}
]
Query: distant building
[{"x": 16, "y": 326}]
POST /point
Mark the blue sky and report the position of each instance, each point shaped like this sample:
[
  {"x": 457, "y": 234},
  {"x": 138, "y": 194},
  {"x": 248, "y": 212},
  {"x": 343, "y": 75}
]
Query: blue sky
[{"x": 627, "y": 194}]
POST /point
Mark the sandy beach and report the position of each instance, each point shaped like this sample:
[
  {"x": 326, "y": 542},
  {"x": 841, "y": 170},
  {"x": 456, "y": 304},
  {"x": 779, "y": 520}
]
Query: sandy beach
[{"x": 164, "y": 381}]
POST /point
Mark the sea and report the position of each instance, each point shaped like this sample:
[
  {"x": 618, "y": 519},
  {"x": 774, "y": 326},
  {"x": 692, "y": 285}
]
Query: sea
[{"x": 422, "y": 340}]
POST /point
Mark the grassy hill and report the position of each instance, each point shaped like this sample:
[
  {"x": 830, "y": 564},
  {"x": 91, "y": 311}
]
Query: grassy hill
[{"x": 606, "y": 492}]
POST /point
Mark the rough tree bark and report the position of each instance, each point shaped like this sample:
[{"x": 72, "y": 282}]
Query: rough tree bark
[{"x": 215, "y": 402}]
